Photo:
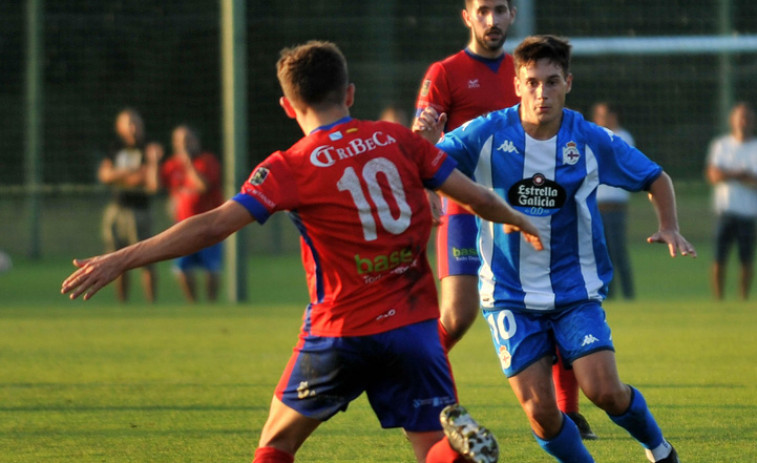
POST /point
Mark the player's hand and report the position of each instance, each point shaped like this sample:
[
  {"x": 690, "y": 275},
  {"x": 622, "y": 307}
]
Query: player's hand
[
  {"x": 527, "y": 230},
  {"x": 675, "y": 241},
  {"x": 430, "y": 124},
  {"x": 154, "y": 152},
  {"x": 93, "y": 274}
]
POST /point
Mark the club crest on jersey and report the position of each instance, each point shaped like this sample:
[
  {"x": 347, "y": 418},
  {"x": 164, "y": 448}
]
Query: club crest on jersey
[
  {"x": 259, "y": 176},
  {"x": 570, "y": 153},
  {"x": 536, "y": 196}
]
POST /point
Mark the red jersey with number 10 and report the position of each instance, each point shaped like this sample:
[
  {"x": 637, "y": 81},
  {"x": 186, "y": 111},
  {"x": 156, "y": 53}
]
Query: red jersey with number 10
[{"x": 355, "y": 190}]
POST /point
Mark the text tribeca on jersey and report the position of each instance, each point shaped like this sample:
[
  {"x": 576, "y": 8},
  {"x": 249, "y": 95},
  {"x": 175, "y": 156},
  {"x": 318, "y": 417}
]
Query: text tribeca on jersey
[{"x": 327, "y": 155}]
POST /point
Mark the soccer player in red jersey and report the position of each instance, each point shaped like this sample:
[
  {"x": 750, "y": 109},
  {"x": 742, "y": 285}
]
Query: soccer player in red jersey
[
  {"x": 357, "y": 192},
  {"x": 193, "y": 180},
  {"x": 472, "y": 82}
]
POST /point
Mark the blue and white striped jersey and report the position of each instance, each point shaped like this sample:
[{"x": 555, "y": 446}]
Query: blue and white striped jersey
[{"x": 554, "y": 182}]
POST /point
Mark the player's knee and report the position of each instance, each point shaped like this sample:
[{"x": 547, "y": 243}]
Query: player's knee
[{"x": 612, "y": 399}]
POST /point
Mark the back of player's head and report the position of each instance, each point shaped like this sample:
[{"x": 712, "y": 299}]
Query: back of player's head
[
  {"x": 537, "y": 47},
  {"x": 314, "y": 74}
]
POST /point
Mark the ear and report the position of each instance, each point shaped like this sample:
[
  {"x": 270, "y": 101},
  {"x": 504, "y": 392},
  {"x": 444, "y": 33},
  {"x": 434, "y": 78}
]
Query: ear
[
  {"x": 514, "y": 13},
  {"x": 466, "y": 18},
  {"x": 288, "y": 108},
  {"x": 569, "y": 82},
  {"x": 516, "y": 85},
  {"x": 349, "y": 97}
]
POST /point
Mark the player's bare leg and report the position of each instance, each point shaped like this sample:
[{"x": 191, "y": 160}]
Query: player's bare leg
[
  {"x": 718, "y": 279},
  {"x": 187, "y": 283},
  {"x": 285, "y": 429},
  {"x": 597, "y": 375},
  {"x": 555, "y": 433},
  {"x": 535, "y": 392},
  {"x": 149, "y": 283},
  {"x": 422, "y": 442},
  {"x": 459, "y": 306}
]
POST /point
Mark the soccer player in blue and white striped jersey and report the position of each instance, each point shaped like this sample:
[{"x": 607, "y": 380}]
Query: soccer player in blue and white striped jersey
[{"x": 547, "y": 162}]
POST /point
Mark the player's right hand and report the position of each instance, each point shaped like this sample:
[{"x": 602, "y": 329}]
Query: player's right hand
[{"x": 430, "y": 124}]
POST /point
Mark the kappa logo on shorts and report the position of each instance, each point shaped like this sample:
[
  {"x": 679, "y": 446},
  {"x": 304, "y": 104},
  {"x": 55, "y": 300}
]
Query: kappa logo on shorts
[{"x": 588, "y": 340}]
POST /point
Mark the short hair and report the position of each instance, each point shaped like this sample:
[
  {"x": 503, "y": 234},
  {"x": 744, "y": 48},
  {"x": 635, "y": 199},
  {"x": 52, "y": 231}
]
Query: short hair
[
  {"x": 550, "y": 47},
  {"x": 314, "y": 74}
]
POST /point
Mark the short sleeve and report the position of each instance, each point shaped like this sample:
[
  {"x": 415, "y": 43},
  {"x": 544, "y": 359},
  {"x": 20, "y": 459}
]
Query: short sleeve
[
  {"x": 434, "y": 90},
  {"x": 271, "y": 187}
]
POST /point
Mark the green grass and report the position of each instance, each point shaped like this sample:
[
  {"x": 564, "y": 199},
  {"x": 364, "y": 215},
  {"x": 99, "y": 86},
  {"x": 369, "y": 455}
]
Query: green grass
[{"x": 103, "y": 382}]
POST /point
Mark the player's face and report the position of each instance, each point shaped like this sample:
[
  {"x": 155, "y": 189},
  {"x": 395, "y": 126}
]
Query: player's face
[
  {"x": 542, "y": 88},
  {"x": 742, "y": 119},
  {"x": 488, "y": 21}
]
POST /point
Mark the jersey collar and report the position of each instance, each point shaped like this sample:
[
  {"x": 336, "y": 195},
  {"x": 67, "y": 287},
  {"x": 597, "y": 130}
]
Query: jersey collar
[
  {"x": 333, "y": 124},
  {"x": 492, "y": 63}
]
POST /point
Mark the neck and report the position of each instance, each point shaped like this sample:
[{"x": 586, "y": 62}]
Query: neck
[
  {"x": 477, "y": 49},
  {"x": 742, "y": 136},
  {"x": 541, "y": 131},
  {"x": 311, "y": 119}
]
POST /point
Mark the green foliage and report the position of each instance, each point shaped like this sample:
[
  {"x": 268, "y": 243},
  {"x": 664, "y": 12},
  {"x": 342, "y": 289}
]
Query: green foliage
[{"x": 98, "y": 381}]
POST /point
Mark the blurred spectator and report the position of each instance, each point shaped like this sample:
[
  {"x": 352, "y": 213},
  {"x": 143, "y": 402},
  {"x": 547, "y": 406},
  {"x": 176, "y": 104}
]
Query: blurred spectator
[
  {"x": 131, "y": 169},
  {"x": 193, "y": 180},
  {"x": 732, "y": 170},
  {"x": 613, "y": 207}
]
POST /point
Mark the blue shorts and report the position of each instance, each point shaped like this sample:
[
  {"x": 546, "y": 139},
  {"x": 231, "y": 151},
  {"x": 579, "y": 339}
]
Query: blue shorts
[
  {"x": 522, "y": 338},
  {"x": 456, "y": 247},
  {"x": 207, "y": 259},
  {"x": 404, "y": 372}
]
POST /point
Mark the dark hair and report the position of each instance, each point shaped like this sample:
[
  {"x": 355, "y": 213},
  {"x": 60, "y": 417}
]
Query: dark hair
[
  {"x": 536, "y": 47},
  {"x": 314, "y": 73}
]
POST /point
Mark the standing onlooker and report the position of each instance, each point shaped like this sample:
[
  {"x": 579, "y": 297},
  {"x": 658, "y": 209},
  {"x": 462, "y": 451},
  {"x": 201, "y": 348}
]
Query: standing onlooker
[
  {"x": 613, "y": 206},
  {"x": 131, "y": 169},
  {"x": 472, "y": 82},
  {"x": 193, "y": 179},
  {"x": 732, "y": 170}
]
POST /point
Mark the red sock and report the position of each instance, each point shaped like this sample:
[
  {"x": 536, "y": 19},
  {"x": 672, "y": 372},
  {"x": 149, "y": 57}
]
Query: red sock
[
  {"x": 272, "y": 455},
  {"x": 445, "y": 339},
  {"x": 566, "y": 387},
  {"x": 441, "y": 452}
]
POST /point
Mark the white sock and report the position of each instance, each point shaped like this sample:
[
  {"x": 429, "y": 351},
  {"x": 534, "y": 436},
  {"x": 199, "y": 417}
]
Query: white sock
[{"x": 658, "y": 453}]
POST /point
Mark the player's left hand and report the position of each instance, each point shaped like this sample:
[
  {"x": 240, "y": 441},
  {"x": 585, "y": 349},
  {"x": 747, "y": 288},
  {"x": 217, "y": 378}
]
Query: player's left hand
[
  {"x": 528, "y": 232},
  {"x": 675, "y": 241},
  {"x": 93, "y": 274}
]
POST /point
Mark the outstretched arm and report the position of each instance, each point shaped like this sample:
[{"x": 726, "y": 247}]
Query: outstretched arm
[
  {"x": 184, "y": 238},
  {"x": 489, "y": 206},
  {"x": 662, "y": 197}
]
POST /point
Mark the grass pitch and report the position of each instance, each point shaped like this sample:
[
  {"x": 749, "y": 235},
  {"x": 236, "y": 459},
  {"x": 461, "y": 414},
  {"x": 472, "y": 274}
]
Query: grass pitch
[{"x": 102, "y": 382}]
